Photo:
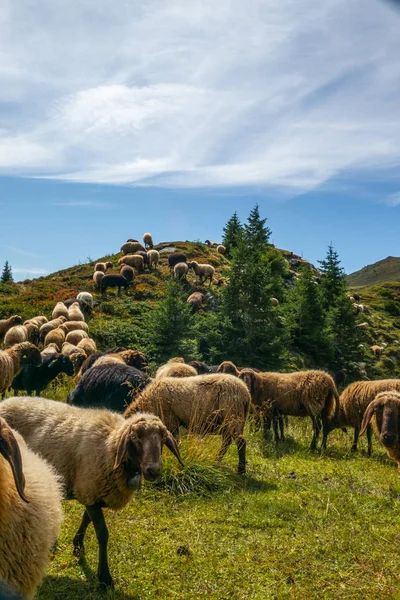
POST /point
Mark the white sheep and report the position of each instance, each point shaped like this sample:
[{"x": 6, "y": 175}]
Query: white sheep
[
  {"x": 30, "y": 515},
  {"x": 148, "y": 240},
  {"x": 38, "y": 321},
  {"x": 275, "y": 302},
  {"x": 97, "y": 277},
  {"x": 86, "y": 297},
  {"x": 100, "y": 455},
  {"x": 181, "y": 270},
  {"x": 60, "y": 310},
  {"x": 88, "y": 346},
  {"x": 22, "y": 333},
  {"x": 75, "y": 313},
  {"x": 153, "y": 256},
  {"x": 221, "y": 249},
  {"x": 202, "y": 271},
  {"x": 55, "y": 336},
  {"x": 53, "y": 324},
  {"x": 73, "y": 326},
  {"x": 133, "y": 260},
  {"x": 103, "y": 266},
  {"x": 74, "y": 337}
]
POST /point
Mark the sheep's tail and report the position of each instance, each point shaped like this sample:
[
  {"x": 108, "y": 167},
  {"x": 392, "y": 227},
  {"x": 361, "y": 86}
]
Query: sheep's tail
[{"x": 331, "y": 408}]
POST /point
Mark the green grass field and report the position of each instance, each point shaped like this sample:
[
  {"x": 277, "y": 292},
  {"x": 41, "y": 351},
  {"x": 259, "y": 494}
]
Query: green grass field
[{"x": 299, "y": 525}]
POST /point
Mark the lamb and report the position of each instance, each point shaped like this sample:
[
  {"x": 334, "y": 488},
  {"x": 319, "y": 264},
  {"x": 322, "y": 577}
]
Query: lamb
[
  {"x": 88, "y": 346},
  {"x": 202, "y": 271},
  {"x": 13, "y": 359},
  {"x": 153, "y": 257},
  {"x": 100, "y": 456},
  {"x": 133, "y": 260},
  {"x": 228, "y": 367},
  {"x": 50, "y": 325},
  {"x": 86, "y": 297},
  {"x": 108, "y": 386},
  {"x": 301, "y": 394},
  {"x": 60, "y": 310},
  {"x": 133, "y": 358},
  {"x": 202, "y": 368},
  {"x": 377, "y": 350},
  {"x": 175, "y": 369},
  {"x": 114, "y": 281},
  {"x": 175, "y": 258},
  {"x": 221, "y": 249},
  {"x": 354, "y": 401},
  {"x": 73, "y": 326},
  {"x": 56, "y": 336},
  {"x": 148, "y": 240},
  {"x": 103, "y": 266},
  {"x": 37, "y": 378},
  {"x": 196, "y": 300},
  {"x": 97, "y": 277},
  {"x": 30, "y": 515},
  {"x": 131, "y": 247},
  {"x": 74, "y": 311},
  {"x": 6, "y": 324},
  {"x": 22, "y": 333},
  {"x": 74, "y": 337},
  {"x": 127, "y": 272},
  {"x": 215, "y": 404},
  {"x": 384, "y": 412},
  {"x": 181, "y": 270}
]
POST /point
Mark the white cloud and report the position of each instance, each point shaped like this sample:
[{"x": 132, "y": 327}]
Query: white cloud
[
  {"x": 84, "y": 204},
  {"x": 190, "y": 93},
  {"x": 22, "y": 251},
  {"x": 393, "y": 199},
  {"x": 29, "y": 271}
]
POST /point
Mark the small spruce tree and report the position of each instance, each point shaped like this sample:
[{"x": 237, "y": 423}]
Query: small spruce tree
[
  {"x": 333, "y": 279},
  {"x": 6, "y": 274},
  {"x": 233, "y": 231}
]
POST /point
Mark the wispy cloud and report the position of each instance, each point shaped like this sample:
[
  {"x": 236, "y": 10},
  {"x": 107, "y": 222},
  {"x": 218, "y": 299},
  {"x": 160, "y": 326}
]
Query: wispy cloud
[
  {"x": 22, "y": 251},
  {"x": 29, "y": 270},
  {"x": 200, "y": 94},
  {"x": 85, "y": 204},
  {"x": 393, "y": 199}
]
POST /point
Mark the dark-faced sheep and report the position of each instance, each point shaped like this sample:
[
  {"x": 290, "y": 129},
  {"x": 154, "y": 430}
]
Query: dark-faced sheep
[
  {"x": 114, "y": 281},
  {"x": 103, "y": 266},
  {"x": 132, "y": 358},
  {"x": 384, "y": 411},
  {"x": 36, "y": 378},
  {"x": 13, "y": 359},
  {"x": 202, "y": 368},
  {"x": 127, "y": 272},
  {"x": 148, "y": 240},
  {"x": 175, "y": 258}
]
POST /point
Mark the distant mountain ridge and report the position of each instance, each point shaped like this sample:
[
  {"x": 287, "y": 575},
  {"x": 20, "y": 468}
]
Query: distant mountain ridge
[{"x": 382, "y": 271}]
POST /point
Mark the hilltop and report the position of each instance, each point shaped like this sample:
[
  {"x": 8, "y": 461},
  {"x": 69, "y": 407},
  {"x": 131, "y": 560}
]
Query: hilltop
[{"x": 382, "y": 271}]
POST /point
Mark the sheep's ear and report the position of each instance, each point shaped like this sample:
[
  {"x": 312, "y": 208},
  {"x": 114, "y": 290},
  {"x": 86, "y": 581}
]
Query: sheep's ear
[
  {"x": 10, "y": 450},
  {"x": 371, "y": 409},
  {"x": 122, "y": 448},
  {"x": 171, "y": 444}
]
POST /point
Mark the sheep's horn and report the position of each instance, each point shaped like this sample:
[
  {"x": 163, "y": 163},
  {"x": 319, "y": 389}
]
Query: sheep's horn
[
  {"x": 371, "y": 408},
  {"x": 10, "y": 450},
  {"x": 171, "y": 444}
]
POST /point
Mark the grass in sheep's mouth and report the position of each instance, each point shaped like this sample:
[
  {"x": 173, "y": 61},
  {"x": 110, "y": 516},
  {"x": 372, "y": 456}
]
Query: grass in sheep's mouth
[{"x": 298, "y": 526}]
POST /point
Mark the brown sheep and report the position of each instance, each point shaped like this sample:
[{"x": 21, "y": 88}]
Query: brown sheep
[
  {"x": 377, "y": 350},
  {"x": 56, "y": 336},
  {"x": 301, "y": 394},
  {"x": 6, "y": 324},
  {"x": 88, "y": 346},
  {"x": 13, "y": 359},
  {"x": 74, "y": 337},
  {"x": 384, "y": 411},
  {"x": 73, "y": 326},
  {"x": 196, "y": 300},
  {"x": 60, "y": 310},
  {"x": 131, "y": 247},
  {"x": 103, "y": 266},
  {"x": 50, "y": 325},
  {"x": 175, "y": 369},
  {"x": 22, "y": 333},
  {"x": 132, "y": 260},
  {"x": 228, "y": 367}
]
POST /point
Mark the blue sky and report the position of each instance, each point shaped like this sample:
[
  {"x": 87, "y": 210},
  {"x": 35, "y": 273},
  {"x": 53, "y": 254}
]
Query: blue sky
[{"x": 119, "y": 118}]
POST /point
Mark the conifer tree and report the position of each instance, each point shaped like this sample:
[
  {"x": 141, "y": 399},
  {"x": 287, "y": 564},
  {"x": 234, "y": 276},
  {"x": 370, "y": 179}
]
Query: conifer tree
[
  {"x": 6, "y": 274},
  {"x": 333, "y": 279},
  {"x": 233, "y": 231},
  {"x": 256, "y": 233}
]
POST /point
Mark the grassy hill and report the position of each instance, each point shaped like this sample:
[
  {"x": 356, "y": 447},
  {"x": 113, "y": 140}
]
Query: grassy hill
[{"x": 382, "y": 271}]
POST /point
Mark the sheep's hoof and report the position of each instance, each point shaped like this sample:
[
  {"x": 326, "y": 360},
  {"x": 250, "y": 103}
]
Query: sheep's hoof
[
  {"x": 241, "y": 470},
  {"x": 106, "y": 582},
  {"x": 79, "y": 550}
]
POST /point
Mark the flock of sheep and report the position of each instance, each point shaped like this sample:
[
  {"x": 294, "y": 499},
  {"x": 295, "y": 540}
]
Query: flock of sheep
[{"x": 98, "y": 445}]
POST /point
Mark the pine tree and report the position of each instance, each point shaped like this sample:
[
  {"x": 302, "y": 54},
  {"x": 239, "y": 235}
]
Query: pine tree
[
  {"x": 256, "y": 233},
  {"x": 6, "y": 274},
  {"x": 233, "y": 231},
  {"x": 333, "y": 279}
]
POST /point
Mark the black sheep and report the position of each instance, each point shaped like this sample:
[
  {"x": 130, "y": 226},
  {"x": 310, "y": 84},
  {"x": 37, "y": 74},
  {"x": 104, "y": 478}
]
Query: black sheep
[
  {"x": 36, "y": 379},
  {"x": 114, "y": 281},
  {"x": 175, "y": 258},
  {"x": 202, "y": 368},
  {"x": 111, "y": 386},
  {"x": 144, "y": 256},
  {"x": 84, "y": 306},
  {"x": 138, "y": 360}
]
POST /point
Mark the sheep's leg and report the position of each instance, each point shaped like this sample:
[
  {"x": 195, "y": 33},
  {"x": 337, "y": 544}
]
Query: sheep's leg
[
  {"x": 325, "y": 432},
  {"x": 316, "y": 429},
  {"x": 103, "y": 572},
  {"x": 275, "y": 428},
  {"x": 226, "y": 442},
  {"x": 281, "y": 428},
  {"x": 355, "y": 440},
  {"x": 80, "y": 534},
  {"x": 241, "y": 447},
  {"x": 369, "y": 438}
]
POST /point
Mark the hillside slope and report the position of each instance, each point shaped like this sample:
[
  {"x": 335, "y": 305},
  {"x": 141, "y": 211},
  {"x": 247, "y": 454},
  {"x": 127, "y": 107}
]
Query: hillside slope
[{"x": 382, "y": 271}]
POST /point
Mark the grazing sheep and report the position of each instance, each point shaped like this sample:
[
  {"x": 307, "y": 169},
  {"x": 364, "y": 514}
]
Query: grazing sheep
[
  {"x": 211, "y": 244},
  {"x": 22, "y": 333},
  {"x": 148, "y": 240},
  {"x": 351, "y": 298},
  {"x": 60, "y": 310},
  {"x": 51, "y": 350},
  {"x": 30, "y": 515},
  {"x": 38, "y": 321},
  {"x": 275, "y": 302},
  {"x": 302, "y": 394},
  {"x": 228, "y": 367},
  {"x": 88, "y": 346},
  {"x": 133, "y": 358},
  {"x": 144, "y": 256},
  {"x": 153, "y": 256},
  {"x": 100, "y": 456},
  {"x": 175, "y": 369},
  {"x": 75, "y": 313},
  {"x": 357, "y": 297},
  {"x": 67, "y": 349},
  {"x": 109, "y": 386},
  {"x": 384, "y": 411},
  {"x": 97, "y": 277},
  {"x": 354, "y": 401},
  {"x": 50, "y": 325},
  {"x": 74, "y": 337},
  {"x": 202, "y": 271},
  {"x": 114, "y": 281},
  {"x": 73, "y": 326},
  {"x": 56, "y": 336},
  {"x": 202, "y": 368},
  {"x": 127, "y": 272},
  {"x": 37, "y": 378},
  {"x": 13, "y": 359},
  {"x": 78, "y": 358},
  {"x": 221, "y": 249},
  {"x": 132, "y": 247},
  {"x": 180, "y": 270},
  {"x": 196, "y": 300},
  {"x": 86, "y": 297},
  {"x": 6, "y": 324},
  {"x": 175, "y": 258},
  {"x": 377, "y": 350},
  {"x": 133, "y": 260},
  {"x": 103, "y": 266},
  {"x": 215, "y": 404},
  {"x": 84, "y": 306}
]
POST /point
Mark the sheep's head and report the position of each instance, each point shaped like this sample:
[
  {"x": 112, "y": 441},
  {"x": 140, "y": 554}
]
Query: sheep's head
[
  {"x": 193, "y": 265},
  {"x": 9, "y": 449},
  {"x": 140, "y": 448},
  {"x": 228, "y": 367},
  {"x": 15, "y": 320},
  {"x": 386, "y": 410},
  {"x": 250, "y": 378},
  {"x": 134, "y": 358},
  {"x": 28, "y": 354},
  {"x": 109, "y": 265}
]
